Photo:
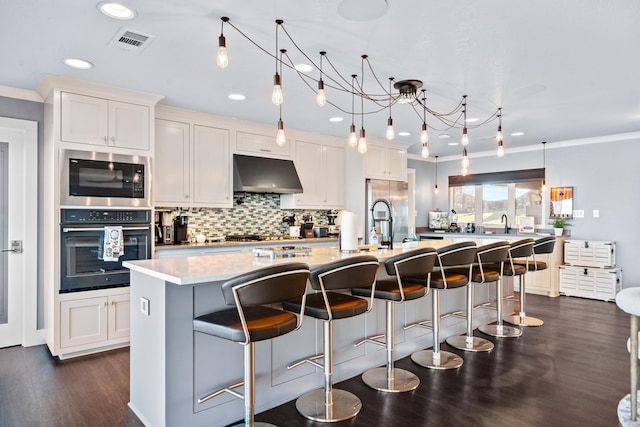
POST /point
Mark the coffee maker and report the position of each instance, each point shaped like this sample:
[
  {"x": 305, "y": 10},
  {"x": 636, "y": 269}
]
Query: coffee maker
[
  {"x": 180, "y": 231},
  {"x": 164, "y": 228}
]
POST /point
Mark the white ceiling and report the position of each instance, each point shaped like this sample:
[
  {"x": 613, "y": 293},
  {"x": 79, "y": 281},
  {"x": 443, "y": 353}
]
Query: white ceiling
[{"x": 583, "y": 53}]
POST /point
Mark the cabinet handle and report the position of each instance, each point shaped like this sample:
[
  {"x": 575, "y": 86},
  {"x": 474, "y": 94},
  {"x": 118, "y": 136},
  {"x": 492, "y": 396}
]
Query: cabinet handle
[
  {"x": 105, "y": 303},
  {"x": 265, "y": 150},
  {"x": 113, "y": 139},
  {"x": 113, "y": 303},
  {"x": 105, "y": 138}
]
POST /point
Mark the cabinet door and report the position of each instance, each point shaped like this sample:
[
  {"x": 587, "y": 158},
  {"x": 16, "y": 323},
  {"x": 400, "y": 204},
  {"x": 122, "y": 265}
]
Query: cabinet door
[
  {"x": 309, "y": 167},
  {"x": 211, "y": 167},
  {"x": 396, "y": 164},
  {"x": 128, "y": 125},
  {"x": 374, "y": 162},
  {"x": 119, "y": 313},
  {"x": 171, "y": 168},
  {"x": 334, "y": 176},
  {"x": 84, "y": 119},
  {"x": 83, "y": 321},
  {"x": 264, "y": 145}
]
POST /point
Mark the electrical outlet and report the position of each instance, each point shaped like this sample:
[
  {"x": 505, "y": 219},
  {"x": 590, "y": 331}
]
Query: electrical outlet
[
  {"x": 144, "y": 306},
  {"x": 596, "y": 213},
  {"x": 578, "y": 213}
]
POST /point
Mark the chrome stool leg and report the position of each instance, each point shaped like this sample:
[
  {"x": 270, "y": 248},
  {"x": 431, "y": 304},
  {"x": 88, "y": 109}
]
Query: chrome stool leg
[
  {"x": 328, "y": 404},
  {"x": 436, "y": 359},
  {"x": 468, "y": 342},
  {"x": 390, "y": 378},
  {"x": 521, "y": 319},
  {"x": 499, "y": 329}
]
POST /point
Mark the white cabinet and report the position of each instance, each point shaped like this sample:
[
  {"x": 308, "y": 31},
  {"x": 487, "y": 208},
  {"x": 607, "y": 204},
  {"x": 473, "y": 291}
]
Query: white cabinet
[
  {"x": 595, "y": 283},
  {"x": 94, "y": 322},
  {"x": 99, "y": 121},
  {"x": 321, "y": 169},
  {"x": 261, "y": 145},
  {"x": 385, "y": 163},
  {"x": 601, "y": 254},
  {"x": 192, "y": 165}
]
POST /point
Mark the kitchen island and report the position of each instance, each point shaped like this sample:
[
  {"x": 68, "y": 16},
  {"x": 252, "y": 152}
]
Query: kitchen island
[{"x": 171, "y": 366}]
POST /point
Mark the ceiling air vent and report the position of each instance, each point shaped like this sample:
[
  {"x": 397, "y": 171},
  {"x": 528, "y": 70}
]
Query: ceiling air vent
[{"x": 133, "y": 41}]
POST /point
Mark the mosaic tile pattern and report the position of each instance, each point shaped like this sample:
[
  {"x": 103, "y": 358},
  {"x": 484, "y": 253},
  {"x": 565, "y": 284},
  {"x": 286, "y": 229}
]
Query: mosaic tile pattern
[{"x": 251, "y": 214}]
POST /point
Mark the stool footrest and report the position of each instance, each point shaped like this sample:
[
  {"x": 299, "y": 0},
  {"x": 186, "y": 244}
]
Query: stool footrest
[
  {"x": 373, "y": 339},
  {"x": 311, "y": 360},
  {"x": 488, "y": 305},
  {"x": 423, "y": 324},
  {"x": 228, "y": 389}
]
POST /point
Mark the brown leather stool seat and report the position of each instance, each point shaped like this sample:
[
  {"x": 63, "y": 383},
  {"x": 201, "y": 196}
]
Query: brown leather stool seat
[
  {"x": 411, "y": 271},
  {"x": 331, "y": 303},
  {"x": 251, "y": 320}
]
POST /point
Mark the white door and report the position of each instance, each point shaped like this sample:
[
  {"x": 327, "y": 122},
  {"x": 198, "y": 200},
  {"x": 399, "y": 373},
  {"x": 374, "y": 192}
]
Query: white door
[{"x": 18, "y": 223}]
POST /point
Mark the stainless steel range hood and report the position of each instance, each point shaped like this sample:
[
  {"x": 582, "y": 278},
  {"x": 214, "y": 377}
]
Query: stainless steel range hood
[{"x": 264, "y": 175}]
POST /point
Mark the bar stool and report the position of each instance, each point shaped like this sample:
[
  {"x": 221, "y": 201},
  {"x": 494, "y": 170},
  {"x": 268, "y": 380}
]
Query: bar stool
[
  {"x": 329, "y": 404},
  {"x": 412, "y": 271},
  {"x": 628, "y": 300},
  {"x": 499, "y": 329},
  {"x": 251, "y": 320},
  {"x": 459, "y": 255},
  {"x": 481, "y": 272},
  {"x": 518, "y": 268}
]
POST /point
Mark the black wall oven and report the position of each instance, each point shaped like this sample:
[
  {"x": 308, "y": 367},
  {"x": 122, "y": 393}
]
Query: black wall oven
[{"x": 82, "y": 236}]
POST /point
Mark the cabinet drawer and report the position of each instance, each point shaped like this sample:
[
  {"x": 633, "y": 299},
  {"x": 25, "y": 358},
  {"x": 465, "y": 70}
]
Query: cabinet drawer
[{"x": 262, "y": 145}]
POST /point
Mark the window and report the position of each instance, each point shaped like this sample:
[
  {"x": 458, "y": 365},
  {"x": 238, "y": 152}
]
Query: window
[
  {"x": 464, "y": 203},
  {"x": 495, "y": 202}
]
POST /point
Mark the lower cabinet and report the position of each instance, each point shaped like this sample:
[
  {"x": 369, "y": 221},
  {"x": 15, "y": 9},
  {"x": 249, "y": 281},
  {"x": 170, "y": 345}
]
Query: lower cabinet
[
  {"x": 587, "y": 282},
  {"x": 94, "y": 322}
]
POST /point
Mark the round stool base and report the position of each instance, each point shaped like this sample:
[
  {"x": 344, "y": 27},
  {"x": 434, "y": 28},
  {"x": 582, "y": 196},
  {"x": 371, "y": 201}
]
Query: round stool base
[
  {"x": 500, "y": 331},
  {"x": 311, "y": 405},
  {"x": 401, "y": 380},
  {"x": 476, "y": 344},
  {"x": 447, "y": 360},
  {"x": 256, "y": 424},
  {"x": 518, "y": 320}
]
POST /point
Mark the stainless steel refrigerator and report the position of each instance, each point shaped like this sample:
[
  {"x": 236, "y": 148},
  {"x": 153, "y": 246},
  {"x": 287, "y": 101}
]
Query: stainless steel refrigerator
[{"x": 385, "y": 193}]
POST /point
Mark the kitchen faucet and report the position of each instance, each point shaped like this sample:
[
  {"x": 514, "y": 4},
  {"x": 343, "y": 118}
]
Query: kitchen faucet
[{"x": 504, "y": 219}]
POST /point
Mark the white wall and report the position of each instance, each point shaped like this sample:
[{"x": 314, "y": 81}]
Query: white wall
[{"x": 605, "y": 176}]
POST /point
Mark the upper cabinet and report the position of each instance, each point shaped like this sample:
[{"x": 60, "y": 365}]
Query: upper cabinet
[
  {"x": 385, "y": 163},
  {"x": 321, "y": 168},
  {"x": 192, "y": 165},
  {"x": 261, "y": 145},
  {"x": 104, "y": 122}
]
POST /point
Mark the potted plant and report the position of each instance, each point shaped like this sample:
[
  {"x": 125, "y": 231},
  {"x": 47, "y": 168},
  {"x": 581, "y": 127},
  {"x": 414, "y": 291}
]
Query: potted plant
[{"x": 559, "y": 224}]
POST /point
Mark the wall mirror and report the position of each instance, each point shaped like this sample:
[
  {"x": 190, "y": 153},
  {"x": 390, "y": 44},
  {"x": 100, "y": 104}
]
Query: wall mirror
[{"x": 561, "y": 202}]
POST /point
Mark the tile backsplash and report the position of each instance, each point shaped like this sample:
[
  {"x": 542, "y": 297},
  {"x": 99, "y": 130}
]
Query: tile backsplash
[{"x": 251, "y": 214}]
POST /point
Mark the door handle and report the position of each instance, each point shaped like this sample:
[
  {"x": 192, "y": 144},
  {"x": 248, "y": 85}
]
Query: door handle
[{"x": 16, "y": 247}]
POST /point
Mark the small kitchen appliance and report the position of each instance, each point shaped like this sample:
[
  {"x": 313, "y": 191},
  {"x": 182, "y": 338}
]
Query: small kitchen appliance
[
  {"x": 166, "y": 227},
  {"x": 306, "y": 228},
  {"x": 180, "y": 229}
]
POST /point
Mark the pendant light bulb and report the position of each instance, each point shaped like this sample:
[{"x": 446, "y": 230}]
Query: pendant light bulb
[
  {"x": 276, "y": 94},
  {"x": 500, "y": 149},
  {"x": 362, "y": 142},
  {"x": 353, "y": 137},
  {"x": 465, "y": 137},
  {"x": 390, "y": 134},
  {"x": 435, "y": 190},
  {"x": 424, "y": 136},
  {"x": 425, "y": 151},
  {"x": 321, "y": 97},
  {"x": 499, "y": 134},
  {"x": 222, "y": 59},
  {"x": 465, "y": 159},
  {"x": 544, "y": 186},
  {"x": 465, "y": 171},
  {"x": 281, "y": 138}
]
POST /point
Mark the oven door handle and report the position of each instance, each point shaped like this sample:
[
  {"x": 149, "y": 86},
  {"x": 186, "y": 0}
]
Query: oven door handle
[{"x": 67, "y": 230}]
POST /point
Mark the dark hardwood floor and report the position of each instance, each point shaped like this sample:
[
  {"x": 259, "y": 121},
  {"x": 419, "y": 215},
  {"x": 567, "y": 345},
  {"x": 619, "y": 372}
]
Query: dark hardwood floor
[{"x": 570, "y": 372}]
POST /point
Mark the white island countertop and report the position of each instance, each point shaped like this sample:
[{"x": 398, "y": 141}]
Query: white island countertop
[{"x": 200, "y": 269}]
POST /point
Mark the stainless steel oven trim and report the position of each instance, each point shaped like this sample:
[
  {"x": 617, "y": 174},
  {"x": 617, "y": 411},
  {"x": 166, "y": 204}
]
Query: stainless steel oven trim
[
  {"x": 67, "y": 230},
  {"x": 63, "y": 166}
]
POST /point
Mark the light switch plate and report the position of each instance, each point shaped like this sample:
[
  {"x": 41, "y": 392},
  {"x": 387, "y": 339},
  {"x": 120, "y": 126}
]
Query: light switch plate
[
  {"x": 596, "y": 213},
  {"x": 144, "y": 306},
  {"x": 578, "y": 213}
]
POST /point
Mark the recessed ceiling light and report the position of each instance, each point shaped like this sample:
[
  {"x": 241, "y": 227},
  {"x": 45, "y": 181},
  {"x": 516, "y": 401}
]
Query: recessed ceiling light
[
  {"x": 237, "y": 97},
  {"x": 78, "y": 63},
  {"x": 303, "y": 68},
  {"x": 336, "y": 119},
  {"x": 404, "y": 133},
  {"x": 517, "y": 134},
  {"x": 452, "y": 143},
  {"x": 472, "y": 120},
  {"x": 116, "y": 10},
  {"x": 444, "y": 136}
]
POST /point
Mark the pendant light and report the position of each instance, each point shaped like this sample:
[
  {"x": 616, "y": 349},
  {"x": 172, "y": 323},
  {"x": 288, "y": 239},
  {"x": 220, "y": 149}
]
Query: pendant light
[
  {"x": 424, "y": 138},
  {"x": 465, "y": 161},
  {"x": 353, "y": 137},
  {"x": 500, "y": 152},
  {"x": 435, "y": 189},
  {"x": 390, "y": 134},
  {"x": 222, "y": 59},
  {"x": 281, "y": 138},
  {"x": 544, "y": 166},
  {"x": 362, "y": 141},
  {"x": 465, "y": 137},
  {"x": 276, "y": 94},
  {"x": 321, "y": 98}
]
